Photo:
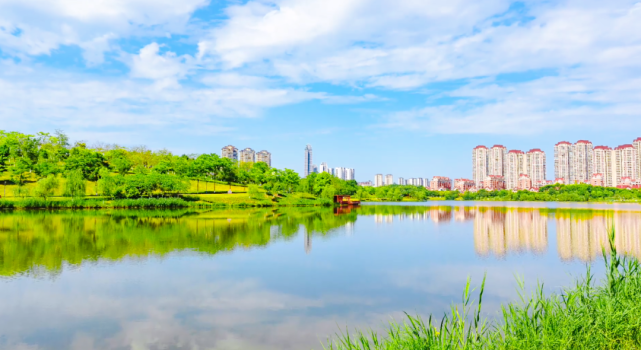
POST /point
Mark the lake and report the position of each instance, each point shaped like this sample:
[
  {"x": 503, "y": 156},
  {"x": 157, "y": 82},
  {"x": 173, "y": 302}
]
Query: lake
[{"x": 279, "y": 278}]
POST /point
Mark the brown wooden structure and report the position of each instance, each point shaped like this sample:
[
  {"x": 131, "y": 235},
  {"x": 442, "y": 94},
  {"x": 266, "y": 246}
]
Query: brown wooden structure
[{"x": 345, "y": 200}]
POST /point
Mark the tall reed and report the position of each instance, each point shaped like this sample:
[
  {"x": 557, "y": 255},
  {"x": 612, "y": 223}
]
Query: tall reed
[{"x": 583, "y": 316}]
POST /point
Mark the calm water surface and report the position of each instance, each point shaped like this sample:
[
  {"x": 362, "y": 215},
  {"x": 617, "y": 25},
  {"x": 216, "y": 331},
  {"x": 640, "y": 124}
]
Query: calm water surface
[{"x": 278, "y": 278}]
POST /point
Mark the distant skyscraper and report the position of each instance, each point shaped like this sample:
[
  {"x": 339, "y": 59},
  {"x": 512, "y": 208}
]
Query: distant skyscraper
[
  {"x": 401, "y": 181},
  {"x": 479, "y": 165},
  {"x": 515, "y": 166},
  {"x": 339, "y": 173},
  {"x": 563, "y": 163},
  {"x": 230, "y": 152},
  {"x": 624, "y": 163},
  {"x": 637, "y": 148},
  {"x": 536, "y": 167},
  {"x": 350, "y": 174},
  {"x": 309, "y": 163},
  {"x": 323, "y": 168},
  {"x": 582, "y": 153},
  {"x": 378, "y": 180},
  {"x": 265, "y": 157},
  {"x": 247, "y": 155},
  {"x": 496, "y": 160},
  {"x": 389, "y": 179},
  {"x": 603, "y": 164}
]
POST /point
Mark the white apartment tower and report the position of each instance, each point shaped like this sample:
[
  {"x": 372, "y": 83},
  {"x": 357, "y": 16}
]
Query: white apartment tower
[
  {"x": 265, "y": 157},
  {"x": 515, "y": 166},
  {"x": 637, "y": 147},
  {"x": 389, "y": 179},
  {"x": 479, "y": 165},
  {"x": 496, "y": 160},
  {"x": 229, "y": 152},
  {"x": 350, "y": 174},
  {"x": 624, "y": 163},
  {"x": 309, "y": 164},
  {"x": 247, "y": 155},
  {"x": 323, "y": 168},
  {"x": 401, "y": 181},
  {"x": 378, "y": 180},
  {"x": 535, "y": 166},
  {"x": 339, "y": 173},
  {"x": 563, "y": 161},
  {"x": 582, "y": 153},
  {"x": 602, "y": 163}
]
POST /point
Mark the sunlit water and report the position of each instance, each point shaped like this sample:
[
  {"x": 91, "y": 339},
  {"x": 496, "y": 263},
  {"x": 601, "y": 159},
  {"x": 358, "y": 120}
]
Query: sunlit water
[{"x": 278, "y": 278}]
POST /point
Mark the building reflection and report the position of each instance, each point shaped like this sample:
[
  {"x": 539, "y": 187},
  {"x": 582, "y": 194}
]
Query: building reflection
[
  {"x": 582, "y": 236},
  {"x": 499, "y": 231}
]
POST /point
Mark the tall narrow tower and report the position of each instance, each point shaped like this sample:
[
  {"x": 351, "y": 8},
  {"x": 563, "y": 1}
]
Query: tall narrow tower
[
  {"x": 308, "y": 161},
  {"x": 563, "y": 162},
  {"x": 582, "y": 162},
  {"x": 479, "y": 165}
]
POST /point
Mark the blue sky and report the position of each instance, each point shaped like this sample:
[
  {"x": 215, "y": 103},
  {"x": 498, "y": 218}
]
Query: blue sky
[{"x": 404, "y": 87}]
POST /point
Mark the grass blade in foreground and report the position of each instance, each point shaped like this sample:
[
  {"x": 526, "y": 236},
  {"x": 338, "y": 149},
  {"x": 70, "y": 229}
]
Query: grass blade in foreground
[{"x": 585, "y": 316}]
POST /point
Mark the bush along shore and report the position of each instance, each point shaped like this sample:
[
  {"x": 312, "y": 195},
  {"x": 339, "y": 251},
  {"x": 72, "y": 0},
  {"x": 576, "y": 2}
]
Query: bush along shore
[{"x": 584, "y": 316}]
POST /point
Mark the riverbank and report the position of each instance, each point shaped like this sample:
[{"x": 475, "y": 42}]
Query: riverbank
[
  {"x": 240, "y": 200},
  {"x": 584, "y": 316}
]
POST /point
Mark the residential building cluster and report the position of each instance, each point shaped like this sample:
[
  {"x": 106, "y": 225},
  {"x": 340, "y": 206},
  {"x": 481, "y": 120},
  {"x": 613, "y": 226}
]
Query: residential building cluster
[
  {"x": 581, "y": 162},
  {"x": 497, "y": 168},
  {"x": 246, "y": 155},
  {"x": 340, "y": 172}
]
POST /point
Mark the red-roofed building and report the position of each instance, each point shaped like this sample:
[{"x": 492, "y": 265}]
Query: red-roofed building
[
  {"x": 463, "y": 185},
  {"x": 494, "y": 183},
  {"x": 440, "y": 183},
  {"x": 515, "y": 165}
]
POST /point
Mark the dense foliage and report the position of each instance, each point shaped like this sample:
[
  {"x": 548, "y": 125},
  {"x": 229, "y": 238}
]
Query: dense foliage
[{"x": 120, "y": 172}]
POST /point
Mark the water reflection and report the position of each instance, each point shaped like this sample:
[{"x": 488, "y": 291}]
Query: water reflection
[{"x": 580, "y": 233}]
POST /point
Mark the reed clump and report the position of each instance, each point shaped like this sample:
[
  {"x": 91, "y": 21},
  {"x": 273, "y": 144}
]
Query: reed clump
[{"x": 586, "y": 315}]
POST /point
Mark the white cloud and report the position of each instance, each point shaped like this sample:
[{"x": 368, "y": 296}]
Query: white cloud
[
  {"x": 165, "y": 68},
  {"x": 36, "y": 27}
]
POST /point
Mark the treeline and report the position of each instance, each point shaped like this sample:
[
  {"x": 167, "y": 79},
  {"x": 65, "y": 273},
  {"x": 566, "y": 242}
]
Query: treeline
[
  {"x": 559, "y": 193},
  {"x": 120, "y": 172},
  {"x": 397, "y": 193}
]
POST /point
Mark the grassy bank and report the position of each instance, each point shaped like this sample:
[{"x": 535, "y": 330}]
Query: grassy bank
[
  {"x": 584, "y": 316},
  {"x": 241, "y": 200}
]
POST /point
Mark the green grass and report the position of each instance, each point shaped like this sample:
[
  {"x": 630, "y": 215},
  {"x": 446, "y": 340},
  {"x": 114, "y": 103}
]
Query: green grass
[{"x": 584, "y": 316}]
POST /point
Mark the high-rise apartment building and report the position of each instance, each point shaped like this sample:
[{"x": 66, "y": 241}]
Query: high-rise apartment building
[
  {"x": 602, "y": 164},
  {"x": 389, "y": 179},
  {"x": 479, "y": 165},
  {"x": 401, "y": 181},
  {"x": 582, "y": 167},
  {"x": 309, "y": 163},
  {"x": 265, "y": 157},
  {"x": 230, "y": 152},
  {"x": 350, "y": 174},
  {"x": 247, "y": 155},
  {"x": 563, "y": 162},
  {"x": 378, "y": 180},
  {"x": 339, "y": 173},
  {"x": 624, "y": 163},
  {"x": 515, "y": 166},
  {"x": 637, "y": 148},
  {"x": 536, "y": 169},
  {"x": 324, "y": 168},
  {"x": 496, "y": 160}
]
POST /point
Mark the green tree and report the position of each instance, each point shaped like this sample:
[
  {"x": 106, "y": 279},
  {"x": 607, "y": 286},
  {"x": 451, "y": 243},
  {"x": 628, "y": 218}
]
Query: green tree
[
  {"x": 20, "y": 170},
  {"x": 75, "y": 186},
  {"x": 47, "y": 186},
  {"x": 89, "y": 162}
]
